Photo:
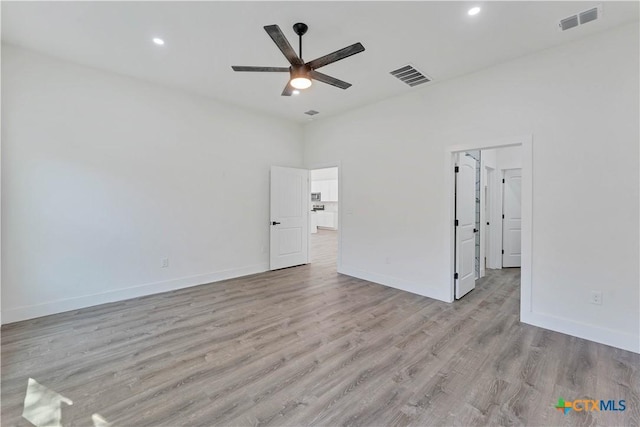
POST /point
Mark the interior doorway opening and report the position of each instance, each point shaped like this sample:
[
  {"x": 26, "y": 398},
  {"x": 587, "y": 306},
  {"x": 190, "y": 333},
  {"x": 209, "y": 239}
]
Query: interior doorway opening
[
  {"x": 487, "y": 220},
  {"x": 324, "y": 215}
]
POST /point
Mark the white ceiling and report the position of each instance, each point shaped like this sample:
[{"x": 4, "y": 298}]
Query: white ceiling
[{"x": 203, "y": 40}]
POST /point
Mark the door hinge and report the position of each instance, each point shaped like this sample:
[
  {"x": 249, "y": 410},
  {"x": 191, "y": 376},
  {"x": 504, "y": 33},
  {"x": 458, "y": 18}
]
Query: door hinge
[
  {"x": 456, "y": 222},
  {"x": 502, "y": 216},
  {"x": 503, "y": 252},
  {"x": 455, "y": 276},
  {"x": 456, "y": 169},
  {"x": 503, "y": 180}
]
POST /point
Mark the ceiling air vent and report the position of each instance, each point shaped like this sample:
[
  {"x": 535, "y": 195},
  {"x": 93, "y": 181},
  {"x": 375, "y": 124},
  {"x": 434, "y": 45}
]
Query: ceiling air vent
[
  {"x": 410, "y": 75},
  {"x": 589, "y": 15},
  {"x": 312, "y": 112},
  {"x": 569, "y": 22},
  {"x": 581, "y": 18}
]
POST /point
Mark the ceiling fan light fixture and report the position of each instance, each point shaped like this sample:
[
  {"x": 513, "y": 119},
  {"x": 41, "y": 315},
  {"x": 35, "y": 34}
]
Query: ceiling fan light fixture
[
  {"x": 300, "y": 77},
  {"x": 300, "y": 82}
]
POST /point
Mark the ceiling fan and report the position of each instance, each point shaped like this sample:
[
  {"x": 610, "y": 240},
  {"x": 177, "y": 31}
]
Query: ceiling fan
[{"x": 302, "y": 73}]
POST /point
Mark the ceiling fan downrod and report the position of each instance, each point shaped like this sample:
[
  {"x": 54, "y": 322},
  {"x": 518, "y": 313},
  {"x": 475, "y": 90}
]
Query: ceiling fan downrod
[{"x": 300, "y": 29}]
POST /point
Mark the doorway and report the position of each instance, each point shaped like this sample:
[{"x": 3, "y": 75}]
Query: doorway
[
  {"x": 324, "y": 215},
  {"x": 487, "y": 200}
]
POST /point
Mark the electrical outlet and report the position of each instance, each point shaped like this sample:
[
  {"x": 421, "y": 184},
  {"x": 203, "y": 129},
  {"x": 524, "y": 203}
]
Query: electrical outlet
[
  {"x": 596, "y": 297},
  {"x": 164, "y": 263}
]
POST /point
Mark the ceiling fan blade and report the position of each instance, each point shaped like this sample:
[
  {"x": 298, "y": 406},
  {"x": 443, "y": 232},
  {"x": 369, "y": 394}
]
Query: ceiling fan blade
[
  {"x": 336, "y": 56},
  {"x": 288, "y": 90},
  {"x": 329, "y": 80},
  {"x": 283, "y": 44},
  {"x": 261, "y": 69}
]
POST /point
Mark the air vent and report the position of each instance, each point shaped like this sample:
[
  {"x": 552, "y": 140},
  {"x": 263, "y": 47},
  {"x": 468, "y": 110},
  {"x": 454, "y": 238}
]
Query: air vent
[
  {"x": 589, "y": 15},
  {"x": 569, "y": 22},
  {"x": 581, "y": 18},
  {"x": 312, "y": 112},
  {"x": 410, "y": 75}
]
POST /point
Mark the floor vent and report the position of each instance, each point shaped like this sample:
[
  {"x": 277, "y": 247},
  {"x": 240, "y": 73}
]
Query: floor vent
[
  {"x": 410, "y": 75},
  {"x": 312, "y": 112},
  {"x": 580, "y": 18}
]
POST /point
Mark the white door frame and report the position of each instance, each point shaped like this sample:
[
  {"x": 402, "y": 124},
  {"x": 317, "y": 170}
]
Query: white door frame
[
  {"x": 526, "y": 141},
  {"x": 341, "y": 204}
]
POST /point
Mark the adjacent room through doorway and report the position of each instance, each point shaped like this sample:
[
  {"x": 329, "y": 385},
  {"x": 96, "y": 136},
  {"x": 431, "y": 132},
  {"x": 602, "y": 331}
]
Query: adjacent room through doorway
[
  {"x": 324, "y": 215},
  {"x": 487, "y": 215}
]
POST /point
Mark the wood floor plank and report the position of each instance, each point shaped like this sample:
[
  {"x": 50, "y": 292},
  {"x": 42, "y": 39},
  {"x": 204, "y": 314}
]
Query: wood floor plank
[{"x": 308, "y": 346}]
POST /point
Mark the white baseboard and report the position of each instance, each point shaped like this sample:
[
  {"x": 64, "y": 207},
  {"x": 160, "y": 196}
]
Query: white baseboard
[
  {"x": 393, "y": 282},
  {"x": 597, "y": 334},
  {"x": 600, "y": 335},
  {"x": 17, "y": 314}
]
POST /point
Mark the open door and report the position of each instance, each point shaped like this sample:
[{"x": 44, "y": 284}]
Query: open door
[
  {"x": 512, "y": 218},
  {"x": 289, "y": 217},
  {"x": 465, "y": 224}
]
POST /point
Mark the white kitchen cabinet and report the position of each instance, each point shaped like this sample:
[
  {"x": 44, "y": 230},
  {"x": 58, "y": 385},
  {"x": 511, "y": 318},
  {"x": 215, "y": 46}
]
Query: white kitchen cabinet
[
  {"x": 327, "y": 220},
  {"x": 314, "y": 222},
  {"x": 333, "y": 190},
  {"x": 324, "y": 219},
  {"x": 328, "y": 189},
  {"x": 324, "y": 190}
]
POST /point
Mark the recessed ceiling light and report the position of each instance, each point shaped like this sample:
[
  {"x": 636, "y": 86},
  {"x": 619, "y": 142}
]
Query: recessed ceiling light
[
  {"x": 474, "y": 11},
  {"x": 158, "y": 41},
  {"x": 296, "y": 92}
]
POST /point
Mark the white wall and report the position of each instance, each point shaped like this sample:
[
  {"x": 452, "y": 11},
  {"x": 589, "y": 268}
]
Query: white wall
[
  {"x": 104, "y": 175},
  {"x": 509, "y": 157},
  {"x": 580, "y": 103}
]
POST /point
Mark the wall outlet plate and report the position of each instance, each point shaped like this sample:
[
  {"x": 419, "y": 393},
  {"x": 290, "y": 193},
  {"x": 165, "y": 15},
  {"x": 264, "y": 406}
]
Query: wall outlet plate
[
  {"x": 596, "y": 297},
  {"x": 164, "y": 263}
]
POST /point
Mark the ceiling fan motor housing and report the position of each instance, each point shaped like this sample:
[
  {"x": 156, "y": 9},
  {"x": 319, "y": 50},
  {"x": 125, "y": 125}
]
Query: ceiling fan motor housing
[{"x": 299, "y": 71}]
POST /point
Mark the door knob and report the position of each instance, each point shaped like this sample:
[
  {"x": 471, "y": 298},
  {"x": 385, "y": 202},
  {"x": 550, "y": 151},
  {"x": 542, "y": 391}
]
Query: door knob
[
  {"x": 475, "y": 230},
  {"x": 275, "y": 223}
]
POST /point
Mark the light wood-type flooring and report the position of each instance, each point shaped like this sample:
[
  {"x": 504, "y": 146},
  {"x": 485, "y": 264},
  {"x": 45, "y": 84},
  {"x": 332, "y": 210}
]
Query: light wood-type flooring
[{"x": 307, "y": 346}]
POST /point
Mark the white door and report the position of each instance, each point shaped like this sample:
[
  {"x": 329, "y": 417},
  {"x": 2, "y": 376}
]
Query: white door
[
  {"x": 465, "y": 224},
  {"x": 512, "y": 218},
  {"x": 289, "y": 217}
]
